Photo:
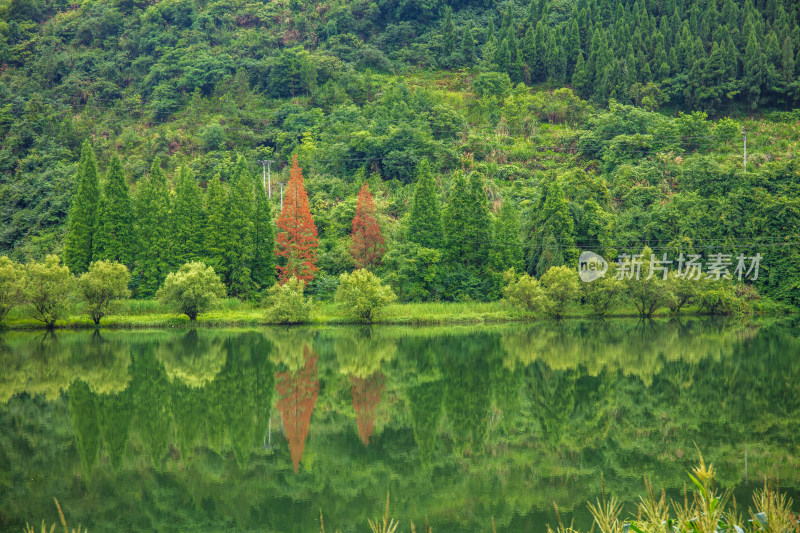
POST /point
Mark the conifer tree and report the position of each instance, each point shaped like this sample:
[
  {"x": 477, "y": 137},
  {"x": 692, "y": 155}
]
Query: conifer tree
[
  {"x": 448, "y": 33},
  {"x": 116, "y": 232},
  {"x": 551, "y": 232},
  {"x": 468, "y": 46},
  {"x": 152, "y": 216},
  {"x": 456, "y": 217},
  {"x": 83, "y": 214},
  {"x": 263, "y": 266},
  {"x": 239, "y": 252},
  {"x": 573, "y": 47},
  {"x": 297, "y": 235},
  {"x": 216, "y": 229},
  {"x": 368, "y": 245},
  {"x": 506, "y": 245},
  {"x": 753, "y": 71},
  {"x": 479, "y": 226},
  {"x": 580, "y": 80},
  {"x": 516, "y": 71},
  {"x": 787, "y": 61},
  {"x": 425, "y": 222},
  {"x": 186, "y": 220},
  {"x": 502, "y": 57}
]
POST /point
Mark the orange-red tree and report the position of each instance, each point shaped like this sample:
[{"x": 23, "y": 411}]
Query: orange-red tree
[
  {"x": 297, "y": 397},
  {"x": 297, "y": 238},
  {"x": 366, "y": 397},
  {"x": 368, "y": 245}
]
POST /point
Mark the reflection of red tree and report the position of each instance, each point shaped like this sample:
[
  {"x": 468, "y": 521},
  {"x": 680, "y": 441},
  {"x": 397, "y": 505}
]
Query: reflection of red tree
[
  {"x": 366, "y": 397},
  {"x": 297, "y": 396}
]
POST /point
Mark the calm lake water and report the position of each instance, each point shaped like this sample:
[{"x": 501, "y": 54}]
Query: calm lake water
[{"x": 260, "y": 430}]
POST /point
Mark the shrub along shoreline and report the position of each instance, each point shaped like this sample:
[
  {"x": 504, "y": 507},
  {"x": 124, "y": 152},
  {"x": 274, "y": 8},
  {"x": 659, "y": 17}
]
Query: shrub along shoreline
[
  {"x": 138, "y": 314},
  {"x": 46, "y": 295}
]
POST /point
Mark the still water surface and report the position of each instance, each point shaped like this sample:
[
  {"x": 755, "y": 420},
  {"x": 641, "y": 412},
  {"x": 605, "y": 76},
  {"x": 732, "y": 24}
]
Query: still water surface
[{"x": 260, "y": 430}]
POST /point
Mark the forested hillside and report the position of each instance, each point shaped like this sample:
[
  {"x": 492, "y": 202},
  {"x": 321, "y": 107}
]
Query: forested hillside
[{"x": 538, "y": 129}]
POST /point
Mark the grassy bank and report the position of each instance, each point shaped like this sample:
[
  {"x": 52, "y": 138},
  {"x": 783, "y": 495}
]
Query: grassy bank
[{"x": 131, "y": 314}]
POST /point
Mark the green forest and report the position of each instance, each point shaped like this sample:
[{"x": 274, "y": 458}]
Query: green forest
[{"x": 487, "y": 135}]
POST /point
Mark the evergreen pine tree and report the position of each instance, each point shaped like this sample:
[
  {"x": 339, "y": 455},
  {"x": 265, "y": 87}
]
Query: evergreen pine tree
[
  {"x": 263, "y": 265},
  {"x": 580, "y": 80},
  {"x": 517, "y": 70},
  {"x": 502, "y": 57},
  {"x": 152, "y": 216},
  {"x": 468, "y": 47},
  {"x": 116, "y": 234},
  {"x": 216, "y": 232},
  {"x": 83, "y": 213},
  {"x": 551, "y": 232},
  {"x": 573, "y": 47},
  {"x": 186, "y": 220},
  {"x": 239, "y": 253},
  {"x": 456, "y": 215},
  {"x": 551, "y": 57},
  {"x": 478, "y": 227},
  {"x": 506, "y": 246},
  {"x": 713, "y": 80},
  {"x": 787, "y": 61},
  {"x": 753, "y": 71},
  {"x": 425, "y": 221},
  {"x": 448, "y": 33}
]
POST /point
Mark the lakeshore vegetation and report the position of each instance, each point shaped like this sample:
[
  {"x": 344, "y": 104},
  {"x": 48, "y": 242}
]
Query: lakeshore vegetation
[{"x": 456, "y": 151}]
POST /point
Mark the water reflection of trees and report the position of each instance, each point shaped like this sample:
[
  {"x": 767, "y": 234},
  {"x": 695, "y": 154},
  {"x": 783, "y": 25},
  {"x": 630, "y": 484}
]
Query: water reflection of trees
[
  {"x": 48, "y": 363},
  {"x": 473, "y": 417},
  {"x": 297, "y": 396}
]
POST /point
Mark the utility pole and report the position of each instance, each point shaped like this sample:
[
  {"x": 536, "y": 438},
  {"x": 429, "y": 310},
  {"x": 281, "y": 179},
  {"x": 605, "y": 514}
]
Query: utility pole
[
  {"x": 281, "y": 196},
  {"x": 265, "y": 163},
  {"x": 745, "y": 149}
]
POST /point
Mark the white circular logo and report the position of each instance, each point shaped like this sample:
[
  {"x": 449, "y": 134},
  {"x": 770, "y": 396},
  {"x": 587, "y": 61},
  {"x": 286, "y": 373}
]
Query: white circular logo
[{"x": 591, "y": 266}]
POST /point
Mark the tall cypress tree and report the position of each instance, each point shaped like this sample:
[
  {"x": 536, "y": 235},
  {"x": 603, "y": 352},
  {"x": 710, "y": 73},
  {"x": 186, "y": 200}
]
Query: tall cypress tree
[
  {"x": 263, "y": 265},
  {"x": 506, "y": 245},
  {"x": 83, "y": 214},
  {"x": 753, "y": 71},
  {"x": 425, "y": 224},
  {"x": 241, "y": 208},
  {"x": 116, "y": 233},
  {"x": 479, "y": 226},
  {"x": 367, "y": 246},
  {"x": 787, "y": 61},
  {"x": 216, "y": 230},
  {"x": 152, "y": 215},
  {"x": 186, "y": 219},
  {"x": 468, "y": 46},
  {"x": 550, "y": 230},
  {"x": 456, "y": 217},
  {"x": 297, "y": 240},
  {"x": 448, "y": 33},
  {"x": 580, "y": 80}
]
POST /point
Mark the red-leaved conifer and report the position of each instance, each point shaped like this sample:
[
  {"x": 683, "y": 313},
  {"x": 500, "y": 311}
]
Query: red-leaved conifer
[
  {"x": 368, "y": 246},
  {"x": 297, "y": 238}
]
